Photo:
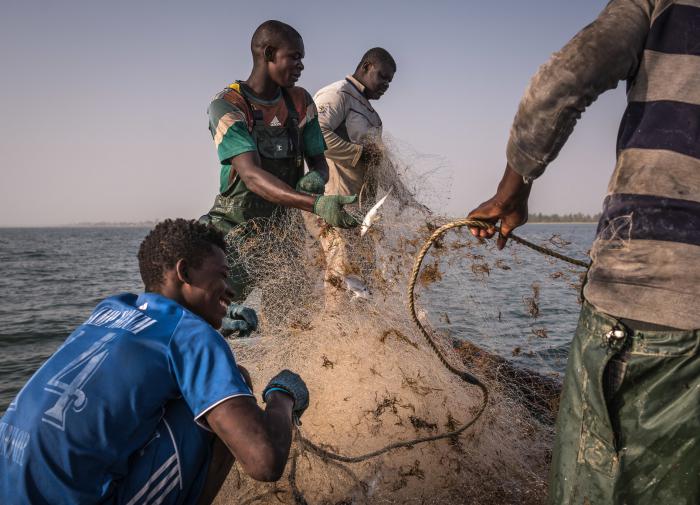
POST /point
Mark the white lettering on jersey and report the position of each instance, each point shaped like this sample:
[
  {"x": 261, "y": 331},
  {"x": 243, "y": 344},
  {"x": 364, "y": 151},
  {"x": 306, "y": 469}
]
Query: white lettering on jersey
[
  {"x": 71, "y": 394},
  {"x": 13, "y": 442},
  {"x": 132, "y": 320},
  {"x": 13, "y": 404}
]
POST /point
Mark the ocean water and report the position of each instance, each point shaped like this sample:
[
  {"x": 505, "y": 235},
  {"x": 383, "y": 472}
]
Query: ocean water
[
  {"x": 516, "y": 303},
  {"x": 51, "y": 278}
]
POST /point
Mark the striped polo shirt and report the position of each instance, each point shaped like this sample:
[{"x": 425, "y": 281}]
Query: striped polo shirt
[{"x": 646, "y": 256}]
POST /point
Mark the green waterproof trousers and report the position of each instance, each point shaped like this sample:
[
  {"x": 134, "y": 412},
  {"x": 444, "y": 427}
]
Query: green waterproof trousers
[{"x": 628, "y": 430}]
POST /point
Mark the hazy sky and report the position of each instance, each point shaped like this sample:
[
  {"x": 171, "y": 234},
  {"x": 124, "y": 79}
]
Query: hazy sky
[{"x": 103, "y": 104}]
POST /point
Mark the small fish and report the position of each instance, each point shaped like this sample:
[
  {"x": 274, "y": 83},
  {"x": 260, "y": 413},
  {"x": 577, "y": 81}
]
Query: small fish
[
  {"x": 372, "y": 216},
  {"x": 356, "y": 286}
]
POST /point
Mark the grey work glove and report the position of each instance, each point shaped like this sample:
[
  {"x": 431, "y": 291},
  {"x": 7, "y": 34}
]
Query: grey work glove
[
  {"x": 290, "y": 383},
  {"x": 330, "y": 209},
  {"x": 312, "y": 183},
  {"x": 239, "y": 318}
]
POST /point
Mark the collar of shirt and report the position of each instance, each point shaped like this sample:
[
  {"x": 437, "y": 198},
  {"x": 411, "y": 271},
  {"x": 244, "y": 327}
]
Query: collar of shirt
[
  {"x": 250, "y": 95},
  {"x": 360, "y": 88}
]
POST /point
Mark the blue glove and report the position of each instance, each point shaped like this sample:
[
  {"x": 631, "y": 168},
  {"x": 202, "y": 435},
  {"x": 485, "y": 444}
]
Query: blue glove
[
  {"x": 239, "y": 318},
  {"x": 312, "y": 183},
  {"x": 290, "y": 383}
]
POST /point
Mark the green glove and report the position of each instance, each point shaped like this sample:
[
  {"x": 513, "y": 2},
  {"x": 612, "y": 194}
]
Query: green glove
[
  {"x": 330, "y": 209},
  {"x": 312, "y": 183}
]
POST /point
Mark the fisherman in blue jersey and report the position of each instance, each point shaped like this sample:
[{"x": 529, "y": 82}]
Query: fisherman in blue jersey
[{"x": 144, "y": 402}]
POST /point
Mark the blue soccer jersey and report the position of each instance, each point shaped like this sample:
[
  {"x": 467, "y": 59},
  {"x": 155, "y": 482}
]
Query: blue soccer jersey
[{"x": 68, "y": 435}]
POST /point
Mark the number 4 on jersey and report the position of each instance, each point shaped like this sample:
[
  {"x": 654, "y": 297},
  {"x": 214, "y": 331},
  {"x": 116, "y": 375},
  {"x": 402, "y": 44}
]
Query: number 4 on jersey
[{"x": 70, "y": 381}]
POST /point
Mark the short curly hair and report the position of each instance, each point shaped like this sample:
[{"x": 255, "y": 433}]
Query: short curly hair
[
  {"x": 172, "y": 240},
  {"x": 377, "y": 55}
]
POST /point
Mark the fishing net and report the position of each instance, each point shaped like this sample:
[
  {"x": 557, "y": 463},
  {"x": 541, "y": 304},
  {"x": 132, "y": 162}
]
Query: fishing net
[{"x": 373, "y": 378}]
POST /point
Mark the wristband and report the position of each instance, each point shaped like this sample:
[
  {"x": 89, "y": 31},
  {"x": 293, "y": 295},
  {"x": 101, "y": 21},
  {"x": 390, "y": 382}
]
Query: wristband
[{"x": 268, "y": 391}]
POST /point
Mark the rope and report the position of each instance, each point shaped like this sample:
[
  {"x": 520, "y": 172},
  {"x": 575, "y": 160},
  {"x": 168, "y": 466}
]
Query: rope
[
  {"x": 296, "y": 493},
  {"x": 325, "y": 454},
  {"x": 459, "y": 223},
  {"x": 548, "y": 252}
]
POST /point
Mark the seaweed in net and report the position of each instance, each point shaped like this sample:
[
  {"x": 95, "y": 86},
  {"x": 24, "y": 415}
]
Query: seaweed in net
[{"x": 373, "y": 380}]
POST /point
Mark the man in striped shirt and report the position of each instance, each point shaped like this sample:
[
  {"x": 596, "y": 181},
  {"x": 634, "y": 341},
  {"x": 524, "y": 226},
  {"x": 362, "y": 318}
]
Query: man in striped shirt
[{"x": 630, "y": 412}]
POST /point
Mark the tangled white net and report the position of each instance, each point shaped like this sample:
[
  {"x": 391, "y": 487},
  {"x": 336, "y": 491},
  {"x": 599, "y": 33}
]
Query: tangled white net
[{"x": 373, "y": 379}]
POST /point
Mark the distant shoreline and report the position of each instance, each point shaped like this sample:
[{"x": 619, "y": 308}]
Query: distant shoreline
[
  {"x": 571, "y": 218},
  {"x": 143, "y": 224}
]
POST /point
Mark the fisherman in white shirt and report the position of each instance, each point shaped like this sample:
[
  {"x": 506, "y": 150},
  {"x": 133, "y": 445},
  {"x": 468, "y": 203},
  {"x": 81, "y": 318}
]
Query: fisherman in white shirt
[
  {"x": 352, "y": 130},
  {"x": 350, "y": 125}
]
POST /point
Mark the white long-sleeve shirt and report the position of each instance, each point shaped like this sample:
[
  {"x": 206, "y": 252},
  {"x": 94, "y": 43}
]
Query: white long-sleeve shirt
[{"x": 347, "y": 120}]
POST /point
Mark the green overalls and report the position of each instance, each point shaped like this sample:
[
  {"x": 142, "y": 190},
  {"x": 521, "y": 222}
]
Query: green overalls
[
  {"x": 628, "y": 431},
  {"x": 281, "y": 154}
]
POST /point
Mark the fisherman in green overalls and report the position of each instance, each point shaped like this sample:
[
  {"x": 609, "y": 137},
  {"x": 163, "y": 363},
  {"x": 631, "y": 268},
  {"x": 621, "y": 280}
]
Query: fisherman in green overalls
[{"x": 264, "y": 128}]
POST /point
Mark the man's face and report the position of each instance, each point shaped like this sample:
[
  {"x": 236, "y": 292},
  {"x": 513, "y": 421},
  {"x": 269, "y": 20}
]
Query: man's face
[
  {"x": 286, "y": 66},
  {"x": 376, "y": 78},
  {"x": 206, "y": 292}
]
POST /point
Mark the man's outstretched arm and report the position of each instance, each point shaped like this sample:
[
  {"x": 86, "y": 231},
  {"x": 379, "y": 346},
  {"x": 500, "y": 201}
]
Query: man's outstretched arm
[
  {"x": 264, "y": 184},
  {"x": 258, "y": 439},
  {"x": 594, "y": 61}
]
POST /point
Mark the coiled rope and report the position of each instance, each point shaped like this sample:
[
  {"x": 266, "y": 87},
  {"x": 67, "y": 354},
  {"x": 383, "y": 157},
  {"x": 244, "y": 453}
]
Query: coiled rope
[
  {"x": 465, "y": 376},
  {"x": 325, "y": 454}
]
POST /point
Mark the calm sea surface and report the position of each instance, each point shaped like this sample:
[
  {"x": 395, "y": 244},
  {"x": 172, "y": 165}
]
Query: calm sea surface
[
  {"x": 51, "y": 278},
  {"x": 516, "y": 303}
]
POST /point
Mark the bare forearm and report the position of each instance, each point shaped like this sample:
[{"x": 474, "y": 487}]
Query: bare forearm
[
  {"x": 259, "y": 440},
  {"x": 277, "y": 419},
  {"x": 276, "y": 191},
  {"x": 513, "y": 186}
]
